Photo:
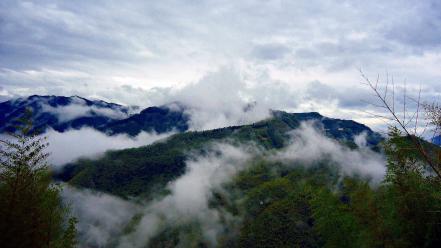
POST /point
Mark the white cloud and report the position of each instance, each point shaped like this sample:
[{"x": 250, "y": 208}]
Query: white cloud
[
  {"x": 310, "y": 146},
  {"x": 75, "y": 110},
  {"x": 189, "y": 196},
  {"x": 220, "y": 99},
  {"x": 101, "y": 217},
  {"x": 70, "y": 145},
  {"x": 225, "y": 97},
  {"x": 190, "y": 193},
  {"x": 99, "y": 48}
]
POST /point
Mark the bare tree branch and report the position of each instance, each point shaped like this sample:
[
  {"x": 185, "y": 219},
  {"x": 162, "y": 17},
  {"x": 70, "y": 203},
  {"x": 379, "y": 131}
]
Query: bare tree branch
[{"x": 402, "y": 122}]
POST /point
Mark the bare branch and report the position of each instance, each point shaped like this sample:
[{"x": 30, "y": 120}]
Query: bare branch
[
  {"x": 418, "y": 110},
  {"x": 402, "y": 123}
]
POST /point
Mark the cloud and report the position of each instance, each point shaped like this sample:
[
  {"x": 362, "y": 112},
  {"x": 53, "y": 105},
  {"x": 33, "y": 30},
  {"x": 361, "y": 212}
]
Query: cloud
[
  {"x": 350, "y": 98},
  {"x": 80, "y": 109},
  {"x": 189, "y": 196},
  {"x": 270, "y": 51},
  {"x": 224, "y": 97},
  {"x": 310, "y": 146},
  {"x": 360, "y": 140},
  {"x": 101, "y": 217},
  {"x": 119, "y": 51},
  {"x": 87, "y": 142},
  {"x": 4, "y": 95},
  {"x": 220, "y": 99},
  {"x": 423, "y": 31}
]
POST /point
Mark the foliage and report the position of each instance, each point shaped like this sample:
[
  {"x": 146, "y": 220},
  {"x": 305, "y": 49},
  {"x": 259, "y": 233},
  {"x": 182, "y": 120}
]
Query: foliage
[
  {"x": 401, "y": 212},
  {"x": 31, "y": 211}
]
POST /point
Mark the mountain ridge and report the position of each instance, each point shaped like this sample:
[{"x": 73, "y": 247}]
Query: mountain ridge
[
  {"x": 142, "y": 170},
  {"x": 62, "y": 113},
  {"x": 59, "y": 112}
]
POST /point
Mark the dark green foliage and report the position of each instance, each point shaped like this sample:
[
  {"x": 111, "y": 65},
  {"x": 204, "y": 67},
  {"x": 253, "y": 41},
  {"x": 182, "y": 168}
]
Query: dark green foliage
[
  {"x": 277, "y": 209},
  {"x": 280, "y": 205},
  {"x": 414, "y": 194},
  {"x": 187, "y": 235},
  {"x": 282, "y": 224},
  {"x": 314, "y": 207},
  {"x": 31, "y": 210},
  {"x": 403, "y": 212},
  {"x": 277, "y": 215},
  {"x": 69, "y": 238},
  {"x": 334, "y": 222}
]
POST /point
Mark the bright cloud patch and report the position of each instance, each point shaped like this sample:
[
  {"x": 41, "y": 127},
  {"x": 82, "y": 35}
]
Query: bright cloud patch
[{"x": 70, "y": 145}]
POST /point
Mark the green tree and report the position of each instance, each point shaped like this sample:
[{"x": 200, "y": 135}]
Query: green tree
[
  {"x": 31, "y": 210},
  {"x": 411, "y": 195}
]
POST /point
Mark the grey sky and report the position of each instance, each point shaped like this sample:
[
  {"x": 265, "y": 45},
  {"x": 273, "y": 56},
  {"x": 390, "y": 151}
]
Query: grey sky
[{"x": 145, "y": 52}]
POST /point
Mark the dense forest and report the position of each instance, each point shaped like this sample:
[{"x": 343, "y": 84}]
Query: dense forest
[
  {"x": 314, "y": 207},
  {"x": 297, "y": 206}
]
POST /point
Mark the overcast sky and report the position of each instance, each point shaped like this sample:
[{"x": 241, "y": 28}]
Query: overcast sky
[{"x": 294, "y": 55}]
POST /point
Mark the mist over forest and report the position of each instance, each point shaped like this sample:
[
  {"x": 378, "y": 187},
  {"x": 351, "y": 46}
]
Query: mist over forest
[{"x": 220, "y": 124}]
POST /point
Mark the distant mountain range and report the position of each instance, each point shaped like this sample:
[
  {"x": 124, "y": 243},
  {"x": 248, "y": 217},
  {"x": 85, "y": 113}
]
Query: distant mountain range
[{"x": 63, "y": 113}]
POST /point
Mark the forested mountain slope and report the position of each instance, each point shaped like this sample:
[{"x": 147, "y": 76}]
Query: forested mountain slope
[{"x": 140, "y": 171}]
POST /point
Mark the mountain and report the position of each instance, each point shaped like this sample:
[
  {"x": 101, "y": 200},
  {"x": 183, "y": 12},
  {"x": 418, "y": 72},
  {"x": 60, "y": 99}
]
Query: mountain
[
  {"x": 145, "y": 170},
  {"x": 60, "y": 113},
  {"x": 158, "y": 119},
  {"x": 63, "y": 113},
  {"x": 337, "y": 128},
  {"x": 437, "y": 140}
]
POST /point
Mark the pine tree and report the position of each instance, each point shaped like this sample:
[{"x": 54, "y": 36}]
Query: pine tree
[{"x": 31, "y": 209}]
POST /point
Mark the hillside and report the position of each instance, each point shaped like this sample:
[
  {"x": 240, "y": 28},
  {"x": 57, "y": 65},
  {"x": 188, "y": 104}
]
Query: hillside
[{"x": 141, "y": 171}]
